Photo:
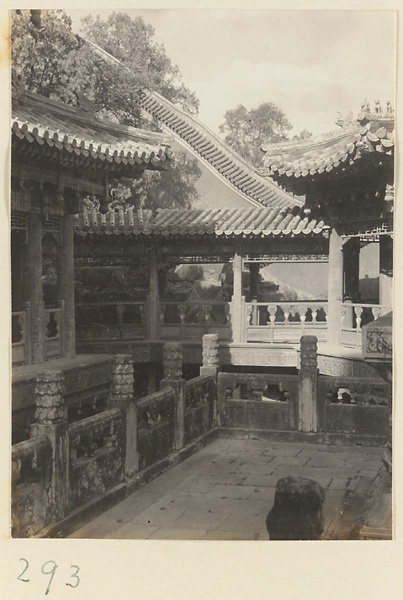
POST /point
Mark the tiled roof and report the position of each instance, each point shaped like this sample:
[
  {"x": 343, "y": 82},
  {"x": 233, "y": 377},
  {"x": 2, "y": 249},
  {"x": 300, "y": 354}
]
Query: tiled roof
[
  {"x": 226, "y": 164},
  {"x": 253, "y": 222},
  {"x": 38, "y": 119},
  {"x": 371, "y": 134}
]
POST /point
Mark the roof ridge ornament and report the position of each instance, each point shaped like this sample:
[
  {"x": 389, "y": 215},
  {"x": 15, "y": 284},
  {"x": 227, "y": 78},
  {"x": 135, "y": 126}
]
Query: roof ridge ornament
[{"x": 346, "y": 121}]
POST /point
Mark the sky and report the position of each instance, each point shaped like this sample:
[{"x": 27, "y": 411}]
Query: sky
[{"x": 312, "y": 64}]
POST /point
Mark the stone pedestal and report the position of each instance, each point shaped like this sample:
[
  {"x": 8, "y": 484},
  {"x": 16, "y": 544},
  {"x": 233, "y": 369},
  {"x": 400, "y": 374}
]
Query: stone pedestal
[
  {"x": 307, "y": 412},
  {"x": 51, "y": 422},
  {"x": 122, "y": 397},
  {"x": 297, "y": 510},
  {"x": 173, "y": 371}
]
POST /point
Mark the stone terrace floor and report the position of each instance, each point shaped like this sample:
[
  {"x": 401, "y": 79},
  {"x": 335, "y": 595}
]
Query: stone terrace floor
[{"x": 225, "y": 491}]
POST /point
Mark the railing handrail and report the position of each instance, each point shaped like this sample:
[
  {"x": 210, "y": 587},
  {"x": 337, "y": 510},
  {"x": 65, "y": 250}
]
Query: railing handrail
[
  {"x": 165, "y": 394},
  {"x": 98, "y": 421},
  {"x": 119, "y": 303},
  {"x": 18, "y": 313},
  {"x": 197, "y": 381},
  {"x": 27, "y": 448},
  {"x": 195, "y": 302},
  {"x": 288, "y": 302},
  {"x": 362, "y": 305}
]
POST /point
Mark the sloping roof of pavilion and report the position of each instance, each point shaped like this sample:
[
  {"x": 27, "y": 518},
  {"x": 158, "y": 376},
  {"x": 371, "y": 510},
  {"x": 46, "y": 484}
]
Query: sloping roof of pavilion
[
  {"x": 42, "y": 121},
  {"x": 371, "y": 136},
  {"x": 252, "y": 222},
  {"x": 222, "y": 160},
  {"x": 226, "y": 164}
]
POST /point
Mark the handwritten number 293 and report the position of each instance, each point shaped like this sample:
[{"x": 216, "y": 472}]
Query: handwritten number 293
[{"x": 49, "y": 568}]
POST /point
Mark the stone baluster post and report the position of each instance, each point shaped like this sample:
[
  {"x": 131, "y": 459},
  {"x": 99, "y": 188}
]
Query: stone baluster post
[
  {"x": 173, "y": 378},
  {"x": 307, "y": 411},
  {"x": 122, "y": 397},
  {"x": 211, "y": 365},
  {"x": 335, "y": 288},
  {"x": 51, "y": 422},
  {"x": 237, "y": 301}
]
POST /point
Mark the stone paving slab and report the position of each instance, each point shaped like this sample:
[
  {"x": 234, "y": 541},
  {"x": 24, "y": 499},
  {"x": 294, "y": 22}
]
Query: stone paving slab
[{"x": 226, "y": 490}]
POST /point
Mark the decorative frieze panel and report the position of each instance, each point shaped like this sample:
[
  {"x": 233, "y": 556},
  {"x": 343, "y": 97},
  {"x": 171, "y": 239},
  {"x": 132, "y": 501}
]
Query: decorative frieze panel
[{"x": 18, "y": 220}]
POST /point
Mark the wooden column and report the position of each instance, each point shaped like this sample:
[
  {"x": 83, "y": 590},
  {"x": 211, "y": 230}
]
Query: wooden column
[
  {"x": 33, "y": 287},
  {"x": 335, "y": 288},
  {"x": 65, "y": 285},
  {"x": 385, "y": 270},
  {"x": 351, "y": 266},
  {"x": 153, "y": 298},
  {"x": 237, "y": 302},
  {"x": 254, "y": 270},
  {"x": 351, "y": 254}
]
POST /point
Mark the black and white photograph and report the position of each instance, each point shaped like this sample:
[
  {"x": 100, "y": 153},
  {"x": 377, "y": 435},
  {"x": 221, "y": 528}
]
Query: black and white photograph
[{"x": 201, "y": 239}]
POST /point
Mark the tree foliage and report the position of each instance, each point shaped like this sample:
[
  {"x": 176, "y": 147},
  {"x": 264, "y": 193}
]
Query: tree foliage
[
  {"x": 247, "y": 130},
  {"x": 52, "y": 61}
]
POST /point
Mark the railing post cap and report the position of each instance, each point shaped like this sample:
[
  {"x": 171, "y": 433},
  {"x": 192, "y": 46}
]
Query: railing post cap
[{"x": 50, "y": 376}]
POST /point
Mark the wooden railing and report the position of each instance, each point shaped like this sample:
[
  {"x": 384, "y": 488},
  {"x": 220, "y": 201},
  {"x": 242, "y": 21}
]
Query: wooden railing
[
  {"x": 20, "y": 329},
  {"x": 353, "y": 317},
  {"x": 54, "y": 332},
  {"x": 111, "y": 321},
  {"x": 285, "y": 322},
  {"x": 191, "y": 320}
]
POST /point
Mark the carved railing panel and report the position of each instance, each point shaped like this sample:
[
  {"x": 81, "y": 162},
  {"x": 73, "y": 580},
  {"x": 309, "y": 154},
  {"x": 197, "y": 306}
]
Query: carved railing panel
[
  {"x": 19, "y": 337},
  {"x": 53, "y": 332},
  {"x": 354, "y": 316},
  {"x": 96, "y": 455},
  {"x": 31, "y": 476},
  {"x": 103, "y": 321},
  {"x": 199, "y": 406},
  {"x": 285, "y": 321},
  {"x": 155, "y": 426},
  {"x": 190, "y": 320}
]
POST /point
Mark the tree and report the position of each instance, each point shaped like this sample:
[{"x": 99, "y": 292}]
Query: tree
[
  {"x": 54, "y": 62},
  {"x": 247, "y": 130}
]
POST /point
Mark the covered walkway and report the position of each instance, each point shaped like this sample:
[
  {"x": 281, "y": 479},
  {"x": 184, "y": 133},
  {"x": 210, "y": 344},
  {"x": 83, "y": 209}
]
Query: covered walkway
[{"x": 225, "y": 491}]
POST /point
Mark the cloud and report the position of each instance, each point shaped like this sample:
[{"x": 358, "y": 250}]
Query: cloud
[{"x": 310, "y": 94}]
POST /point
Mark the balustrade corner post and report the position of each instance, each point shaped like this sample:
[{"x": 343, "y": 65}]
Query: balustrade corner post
[
  {"x": 173, "y": 378},
  {"x": 50, "y": 421},
  {"x": 122, "y": 397},
  {"x": 211, "y": 365},
  {"x": 307, "y": 407}
]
